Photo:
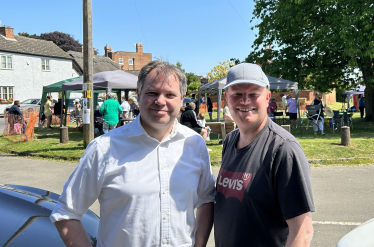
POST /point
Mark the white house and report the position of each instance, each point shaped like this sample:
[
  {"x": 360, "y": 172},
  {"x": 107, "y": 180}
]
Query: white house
[{"x": 26, "y": 65}]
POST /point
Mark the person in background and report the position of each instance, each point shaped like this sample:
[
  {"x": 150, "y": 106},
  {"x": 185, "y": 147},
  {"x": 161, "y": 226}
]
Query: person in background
[
  {"x": 125, "y": 108},
  {"x": 318, "y": 101},
  {"x": 193, "y": 98},
  {"x": 134, "y": 107},
  {"x": 48, "y": 111},
  {"x": 226, "y": 114},
  {"x": 188, "y": 118},
  {"x": 15, "y": 116},
  {"x": 361, "y": 105},
  {"x": 110, "y": 109},
  {"x": 77, "y": 112},
  {"x": 210, "y": 108},
  {"x": 272, "y": 108},
  {"x": 201, "y": 100},
  {"x": 57, "y": 109},
  {"x": 292, "y": 109},
  {"x": 201, "y": 119},
  {"x": 264, "y": 193}
]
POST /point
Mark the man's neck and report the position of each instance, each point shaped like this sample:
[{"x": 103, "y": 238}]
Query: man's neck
[
  {"x": 158, "y": 134},
  {"x": 248, "y": 134}
]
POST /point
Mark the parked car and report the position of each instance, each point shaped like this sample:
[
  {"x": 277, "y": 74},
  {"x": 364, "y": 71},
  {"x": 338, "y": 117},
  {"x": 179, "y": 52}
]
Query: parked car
[
  {"x": 28, "y": 104},
  {"x": 25, "y": 220},
  {"x": 361, "y": 236},
  {"x": 186, "y": 101}
]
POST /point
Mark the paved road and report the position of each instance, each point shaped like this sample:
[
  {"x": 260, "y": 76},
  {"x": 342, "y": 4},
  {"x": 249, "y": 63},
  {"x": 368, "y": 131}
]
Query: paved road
[{"x": 343, "y": 195}]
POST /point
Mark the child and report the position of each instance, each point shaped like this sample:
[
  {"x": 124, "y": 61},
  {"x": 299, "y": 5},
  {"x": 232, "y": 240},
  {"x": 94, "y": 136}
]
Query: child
[{"x": 201, "y": 120}]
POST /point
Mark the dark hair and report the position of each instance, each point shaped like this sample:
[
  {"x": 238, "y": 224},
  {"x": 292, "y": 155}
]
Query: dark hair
[
  {"x": 209, "y": 101},
  {"x": 165, "y": 69},
  {"x": 16, "y": 102}
]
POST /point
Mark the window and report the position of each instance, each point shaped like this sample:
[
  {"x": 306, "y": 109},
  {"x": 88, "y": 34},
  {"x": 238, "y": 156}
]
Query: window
[
  {"x": 6, "y": 93},
  {"x": 45, "y": 64},
  {"x": 131, "y": 62},
  {"x": 6, "y": 62},
  {"x": 120, "y": 61}
]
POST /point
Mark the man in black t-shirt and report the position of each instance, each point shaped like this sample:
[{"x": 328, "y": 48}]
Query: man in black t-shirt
[{"x": 264, "y": 195}]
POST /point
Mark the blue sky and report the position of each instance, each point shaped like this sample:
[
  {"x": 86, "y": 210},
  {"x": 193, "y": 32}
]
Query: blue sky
[{"x": 198, "y": 33}]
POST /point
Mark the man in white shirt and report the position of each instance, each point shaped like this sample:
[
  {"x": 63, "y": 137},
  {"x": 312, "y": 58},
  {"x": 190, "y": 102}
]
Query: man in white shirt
[
  {"x": 149, "y": 175},
  {"x": 125, "y": 108}
]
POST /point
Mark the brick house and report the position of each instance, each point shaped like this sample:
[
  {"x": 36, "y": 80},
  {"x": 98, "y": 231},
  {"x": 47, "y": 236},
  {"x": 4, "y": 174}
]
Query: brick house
[
  {"x": 130, "y": 62},
  {"x": 27, "y": 64}
]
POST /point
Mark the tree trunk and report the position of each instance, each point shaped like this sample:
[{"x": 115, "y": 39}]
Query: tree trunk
[
  {"x": 64, "y": 134},
  {"x": 367, "y": 74},
  {"x": 369, "y": 103}
]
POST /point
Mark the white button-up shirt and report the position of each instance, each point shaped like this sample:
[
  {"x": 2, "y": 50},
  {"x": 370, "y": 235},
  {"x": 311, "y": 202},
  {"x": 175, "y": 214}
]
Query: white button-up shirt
[{"x": 147, "y": 190}]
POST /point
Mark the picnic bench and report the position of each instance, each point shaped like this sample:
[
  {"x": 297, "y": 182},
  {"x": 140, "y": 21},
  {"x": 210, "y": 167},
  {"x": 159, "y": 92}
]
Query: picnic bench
[{"x": 220, "y": 128}]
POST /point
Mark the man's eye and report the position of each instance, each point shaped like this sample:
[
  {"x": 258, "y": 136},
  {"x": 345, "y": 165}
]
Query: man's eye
[
  {"x": 253, "y": 95},
  {"x": 170, "y": 95},
  {"x": 151, "y": 93}
]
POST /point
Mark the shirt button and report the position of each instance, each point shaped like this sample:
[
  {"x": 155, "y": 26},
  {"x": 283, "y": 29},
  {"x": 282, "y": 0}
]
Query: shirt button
[
  {"x": 165, "y": 241},
  {"x": 162, "y": 167},
  {"x": 164, "y": 192},
  {"x": 165, "y": 217}
]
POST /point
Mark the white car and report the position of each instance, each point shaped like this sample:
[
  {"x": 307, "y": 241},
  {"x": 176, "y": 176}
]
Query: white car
[{"x": 361, "y": 236}]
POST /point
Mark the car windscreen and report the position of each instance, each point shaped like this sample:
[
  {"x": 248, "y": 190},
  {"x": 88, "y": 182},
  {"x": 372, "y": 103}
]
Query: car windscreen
[{"x": 30, "y": 101}]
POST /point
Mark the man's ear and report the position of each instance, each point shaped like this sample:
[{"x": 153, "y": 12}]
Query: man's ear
[{"x": 137, "y": 92}]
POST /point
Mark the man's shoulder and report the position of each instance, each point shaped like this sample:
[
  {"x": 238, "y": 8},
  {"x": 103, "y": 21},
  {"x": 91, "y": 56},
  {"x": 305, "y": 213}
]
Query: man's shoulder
[{"x": 280, "y": 135}]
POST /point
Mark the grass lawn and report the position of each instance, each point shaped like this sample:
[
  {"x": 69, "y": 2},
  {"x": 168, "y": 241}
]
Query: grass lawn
[{"x": 325, "y": 149}]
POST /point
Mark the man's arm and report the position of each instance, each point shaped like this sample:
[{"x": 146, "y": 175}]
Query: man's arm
[
  {"x": 204, "y": 223},
  {"x": 73, "y": 233},
  {"x": 300, "y": 231}
]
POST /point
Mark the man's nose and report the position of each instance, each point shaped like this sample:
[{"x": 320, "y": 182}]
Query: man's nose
[
  {"x": 161, "y": 100},
  {"x": 245, "y": 99}
]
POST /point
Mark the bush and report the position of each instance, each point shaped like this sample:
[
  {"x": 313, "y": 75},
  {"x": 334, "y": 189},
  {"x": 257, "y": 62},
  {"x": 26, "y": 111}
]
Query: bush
[{"x": 193, "y": 86}]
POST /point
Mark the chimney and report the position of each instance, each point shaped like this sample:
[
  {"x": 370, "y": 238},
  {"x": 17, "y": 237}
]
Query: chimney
[
  {"x": 139, "y": 47},
  {"x": 108, "y": 52},
  {"x": 93, "y": 51},
  {"x": 7, "y": 32}
]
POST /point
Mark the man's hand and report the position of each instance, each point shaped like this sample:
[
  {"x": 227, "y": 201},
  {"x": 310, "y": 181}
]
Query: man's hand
[
  {"x": 73, "y": 233},
  {"x": 300, "y": 231},
  {"x": 204, "y": 223}
]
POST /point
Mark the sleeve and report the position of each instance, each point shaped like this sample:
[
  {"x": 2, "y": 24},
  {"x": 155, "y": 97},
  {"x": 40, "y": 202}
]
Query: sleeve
[
  {"x": 19, "y": 111},
  {"x": 292, "y": 184},
  {"x": 206, "y": 191},
  {"x": 83, "y": 187},
  {"x": 194, "y": 121}
]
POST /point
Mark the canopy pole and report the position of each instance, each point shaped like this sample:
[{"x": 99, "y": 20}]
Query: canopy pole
[
  {"x": 62, "y": 105},
  {"x": 198, "y": 102},
  {"x": 298, "y": 109},
  {"x": 219, "y": 94}
]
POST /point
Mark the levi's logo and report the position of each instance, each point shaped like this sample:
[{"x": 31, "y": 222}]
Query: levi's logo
[{"x": 233, "y": 184}]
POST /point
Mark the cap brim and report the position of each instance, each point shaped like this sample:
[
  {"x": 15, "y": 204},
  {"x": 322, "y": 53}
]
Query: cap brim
[{"x": 258, "y": 83}]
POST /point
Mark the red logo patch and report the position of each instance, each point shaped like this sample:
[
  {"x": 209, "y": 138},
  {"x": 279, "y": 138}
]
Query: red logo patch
[{"x": 233, "y": 184}]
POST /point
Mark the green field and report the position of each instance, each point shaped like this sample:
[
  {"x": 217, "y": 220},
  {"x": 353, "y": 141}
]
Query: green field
[{"x": 325, "y": 150}]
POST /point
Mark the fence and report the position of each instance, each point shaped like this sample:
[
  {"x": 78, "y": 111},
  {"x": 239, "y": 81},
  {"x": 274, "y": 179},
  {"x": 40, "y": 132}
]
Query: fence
[{"x": 18, "y": 128}]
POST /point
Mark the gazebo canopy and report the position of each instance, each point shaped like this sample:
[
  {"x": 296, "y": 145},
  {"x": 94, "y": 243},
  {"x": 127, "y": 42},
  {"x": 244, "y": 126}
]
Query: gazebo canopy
[
  {"x": 107, "y": 80},
  {"x": 275, "y": 83},
  {"x": 360, "y": 89}
]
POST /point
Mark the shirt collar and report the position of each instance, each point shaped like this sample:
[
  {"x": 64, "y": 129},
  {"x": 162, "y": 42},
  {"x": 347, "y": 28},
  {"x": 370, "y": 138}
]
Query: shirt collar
[{"x": 137, "y": 130}]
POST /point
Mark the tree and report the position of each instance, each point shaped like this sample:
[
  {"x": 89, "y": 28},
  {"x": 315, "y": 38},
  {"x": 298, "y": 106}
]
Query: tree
[
  {"x": 321, "y": 44},
  {"x": 220, "y": 70},
  {"x": 179, "y": 65},
  {"x": 63, "y": 40},
  {"x": 192, "y": 78},
  {"x": 24, "y": 34}
]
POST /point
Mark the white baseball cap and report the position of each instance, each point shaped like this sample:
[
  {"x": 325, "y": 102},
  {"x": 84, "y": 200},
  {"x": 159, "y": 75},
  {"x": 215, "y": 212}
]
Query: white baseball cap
[{"x": 246, "y": 73}]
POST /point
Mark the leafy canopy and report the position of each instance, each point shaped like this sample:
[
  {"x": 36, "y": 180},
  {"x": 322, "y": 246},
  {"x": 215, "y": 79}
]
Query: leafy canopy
[
  {"x": 220, "y": 70},
  {"x": 325, "y": 40}
]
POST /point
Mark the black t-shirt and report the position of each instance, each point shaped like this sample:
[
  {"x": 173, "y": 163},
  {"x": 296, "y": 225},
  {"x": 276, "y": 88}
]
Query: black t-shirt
[{"x": 259, "y": 187}]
